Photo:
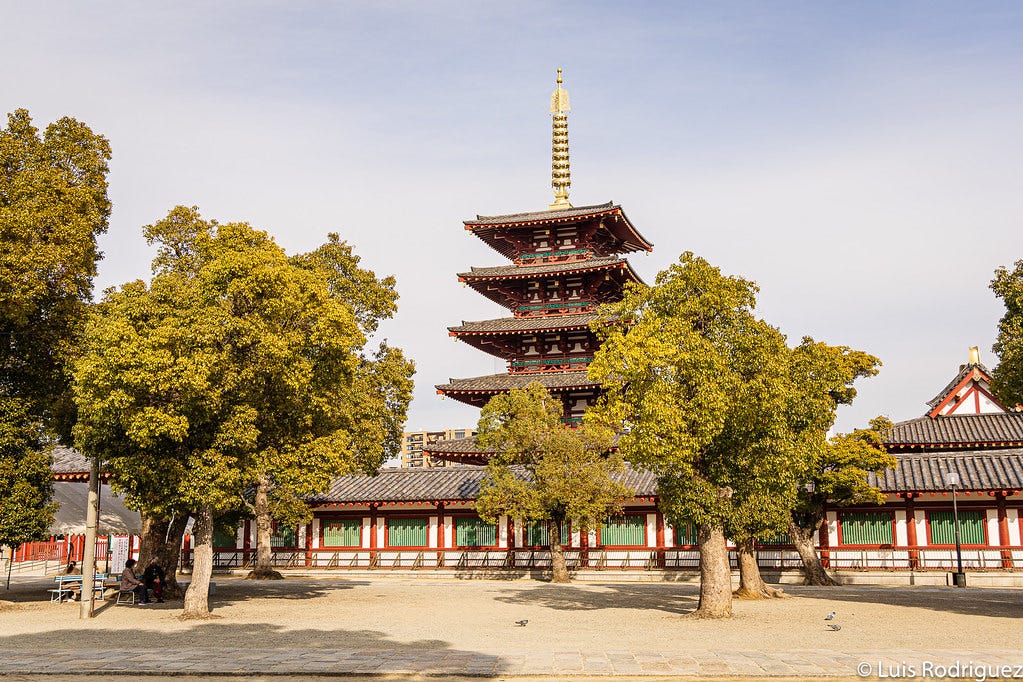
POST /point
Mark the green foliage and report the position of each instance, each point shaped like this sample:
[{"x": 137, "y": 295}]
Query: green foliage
[
  {"x": 236, "y": 366},
  {"x": 53, "y": 206},
  {"x": 1007, "y": 377},
  {"x": 712, "y": 400},
  {"x": 838, "y": 474},
  {"x": 25, "y": 477},
  {"x": 544, "y": 470}
]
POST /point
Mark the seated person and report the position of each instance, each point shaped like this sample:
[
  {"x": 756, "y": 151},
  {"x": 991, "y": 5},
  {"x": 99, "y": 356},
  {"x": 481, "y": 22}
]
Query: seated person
[
  {"x": 155, "y": 577},
  {"x": 75, "y": 588},
  {"x": 129, "y": 582}
]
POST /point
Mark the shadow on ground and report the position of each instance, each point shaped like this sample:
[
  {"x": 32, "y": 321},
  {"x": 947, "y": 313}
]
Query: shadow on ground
[
  {"x": 997, "y": 603},
  {"x": 673, "y": 599}
]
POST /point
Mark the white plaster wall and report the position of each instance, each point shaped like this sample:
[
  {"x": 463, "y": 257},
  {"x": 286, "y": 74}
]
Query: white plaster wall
[
  {"x": 366, "y": 529},
  {"x": 669, "y": 536},
  {"x": 431, "y": 532},
  {"x": 239, "y": 537},
  {"x": 381, "y": 527},
  {"x": 502, "y": 532},
  {"x": 449, "y": 531},
  {"x": 300, "y": 535},
  {"x": 519, "y": 526},
  {"x": 651, "y": 530},
  {"x": 316, "y": 533},
  {"x": 1012, "y": 516},
  {"x": 921, "y": 527},
  {"x": 832, "y": 529},
  {"x": 591, "y": 537},
  {"x": 992, "y": 527},
  {"x": 901, "y": 534},
  {"x": 574, "y": 538}
]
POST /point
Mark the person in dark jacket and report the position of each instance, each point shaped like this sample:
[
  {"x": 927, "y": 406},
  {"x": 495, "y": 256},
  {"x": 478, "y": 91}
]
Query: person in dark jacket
[
  {"x": 129, "y": 581},
  {"x": 155, "y": 578}
]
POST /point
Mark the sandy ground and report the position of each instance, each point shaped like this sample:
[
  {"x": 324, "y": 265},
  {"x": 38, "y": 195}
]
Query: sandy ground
[{"x": 338, "y": 613}]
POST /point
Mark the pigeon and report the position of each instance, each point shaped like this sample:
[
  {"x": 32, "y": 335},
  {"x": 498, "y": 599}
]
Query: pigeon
[
  {"x": 830, "y": 616},
  {"x": 521, "y": 623},
  {"x": 834, "y": 626}
]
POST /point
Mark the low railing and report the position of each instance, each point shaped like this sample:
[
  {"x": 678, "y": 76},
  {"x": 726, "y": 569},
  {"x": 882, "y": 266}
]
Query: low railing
[{"x": 681, "y": 558}]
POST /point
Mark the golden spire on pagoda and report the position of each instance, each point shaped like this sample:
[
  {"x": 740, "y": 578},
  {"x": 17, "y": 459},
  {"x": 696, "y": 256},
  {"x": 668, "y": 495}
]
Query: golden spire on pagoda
[{"x": 561, "y": 175}]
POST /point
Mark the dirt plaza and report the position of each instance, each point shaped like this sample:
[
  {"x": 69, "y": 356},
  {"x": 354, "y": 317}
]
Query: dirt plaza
[{"x": 330, "y": 625}]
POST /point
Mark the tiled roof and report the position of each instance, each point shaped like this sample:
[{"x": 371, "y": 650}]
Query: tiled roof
[
  {"x": 963, "y": 373},
  {"x": 69, "y": 461},
  {"x": 998, "y": 429},
  {"x": 453, "y": 446},
  {"x": 440, "y": 484},
  {"x": 977, "y": 469},
  {"x": 514, "y": 325},
  {"x": 498, "y": 383},
  {"x": 530, "y": 271},
  {"x": 539, "y": 216}
]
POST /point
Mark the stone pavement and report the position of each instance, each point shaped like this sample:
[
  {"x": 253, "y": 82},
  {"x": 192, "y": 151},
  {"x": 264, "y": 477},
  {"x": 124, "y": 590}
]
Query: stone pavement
[{"x": 1005, "y": 664}]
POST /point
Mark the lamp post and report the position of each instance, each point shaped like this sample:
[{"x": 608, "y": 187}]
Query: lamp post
[{"x": 959, "y": 578}]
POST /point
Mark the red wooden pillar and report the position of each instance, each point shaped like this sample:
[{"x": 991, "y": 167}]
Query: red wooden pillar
[
  {"x": 186, "y": 549},
  {"x": 822, "y": 536},
  {"x": 440, "y": 534},
  {"x": 1003, "y": 530},
  {"x": 309, "y": 544},
  {"x": 584, "y": 546},
  {"x": 914, "y": 553},
  {"x": 247, "y": 540},
  {"x": 372, "y": 534},
  {"x": 660, "y": 539}
]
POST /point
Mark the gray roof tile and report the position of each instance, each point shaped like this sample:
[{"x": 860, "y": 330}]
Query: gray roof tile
[
  {"x": 529, "y": 271},
  {"x": 440, "y": 485},
  {"x": 514, "y": 325},
  {"x": 977, "y": 469},
  {"x": 498, "y": 383},
  {"x": 958, "y": 431}
]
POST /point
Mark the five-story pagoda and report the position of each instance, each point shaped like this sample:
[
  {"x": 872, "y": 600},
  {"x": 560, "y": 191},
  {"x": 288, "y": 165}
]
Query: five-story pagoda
[{"x": 565, "y": 261}]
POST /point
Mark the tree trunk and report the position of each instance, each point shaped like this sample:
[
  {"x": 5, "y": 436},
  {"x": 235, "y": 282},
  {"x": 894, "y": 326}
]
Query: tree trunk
[
  {"x": 715, "y": 574},
  {"x": 802, "y": 538},
  {"x": 170, "y": 555},
  {"x": 751, "y": 584},
  {"x": 197, "y": 598},
  {"x": 151, "y": 538},
  {"x": 263, "y": 569},
  {"x": 559, "y": 570}
]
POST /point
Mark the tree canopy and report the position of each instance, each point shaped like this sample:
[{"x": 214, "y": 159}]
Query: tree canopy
[
  {"x": 238, "y": 376},
  {"x": 544, "y": 471},
  {"x": 711, "y": 399},
  {"x": 53, "y": 206},
  {"x": 1007, "y": 377}
]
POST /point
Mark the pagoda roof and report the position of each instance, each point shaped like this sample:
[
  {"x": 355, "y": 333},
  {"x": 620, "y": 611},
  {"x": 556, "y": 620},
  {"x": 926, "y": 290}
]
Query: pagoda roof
[
  {"x": 620, "y": 228},
  {"x": 532, "y": 271},
  {"x": 981, "y": 470},
  {"x": 520, "y": 325},
  {"x": 999, "y": 429},
  {"x": 502, "y": 383},
  {"x": 441, "y": 484}
]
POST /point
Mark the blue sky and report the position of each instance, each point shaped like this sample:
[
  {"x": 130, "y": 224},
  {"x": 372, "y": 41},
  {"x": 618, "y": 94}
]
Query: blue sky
[{"x": 861, "y": 161}]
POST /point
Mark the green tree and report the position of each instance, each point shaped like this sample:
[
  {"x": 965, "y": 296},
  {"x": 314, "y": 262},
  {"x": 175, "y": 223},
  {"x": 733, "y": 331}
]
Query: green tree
[
  {"x": 53, "y": 206},
  {"x": 234, "y": 370},
  {"x": 25, "y": 477},
  {"x": 1007, "y": 377},
  {"x": 837, "y": 476},
  {"x": 544, "y": 471},
  {"x": 706, "y": 397}
]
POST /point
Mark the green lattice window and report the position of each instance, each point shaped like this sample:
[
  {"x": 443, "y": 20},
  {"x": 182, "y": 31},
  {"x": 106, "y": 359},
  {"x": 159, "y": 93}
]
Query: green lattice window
[
  {"x": 409, "y": 532},
  {"x": 866, "y": 528},
  {"x": 342, "y": 533},
  {"x": 943, "y": 529},
  {"x": 225, "y": 537},
  {"x": 624, "y": 530},
  {"x": 776, "y": 539},
  {"x": 283, "y": 536},
  {"x": 470, "y": 532},
  {"x": 537, "y": 534},
  {"x": 686, "y": 535}
]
